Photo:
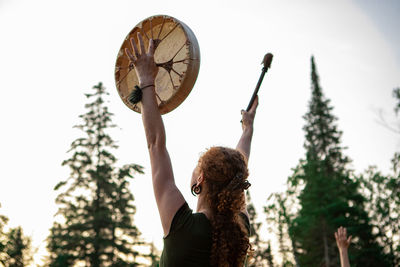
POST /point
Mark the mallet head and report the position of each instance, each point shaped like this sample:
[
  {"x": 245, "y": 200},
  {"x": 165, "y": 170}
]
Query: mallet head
[{"x": 267, "y": 60}]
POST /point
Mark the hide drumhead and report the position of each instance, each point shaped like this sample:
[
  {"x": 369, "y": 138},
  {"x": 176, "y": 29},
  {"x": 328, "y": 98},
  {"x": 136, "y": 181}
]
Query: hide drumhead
[{"x": 177, "y": 56}]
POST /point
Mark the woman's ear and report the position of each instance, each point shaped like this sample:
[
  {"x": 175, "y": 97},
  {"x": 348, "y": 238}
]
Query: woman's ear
[{"x": 200, "y": 178}]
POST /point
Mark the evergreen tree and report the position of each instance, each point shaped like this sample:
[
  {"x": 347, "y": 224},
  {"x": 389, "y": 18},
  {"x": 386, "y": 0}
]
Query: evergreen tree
[
  {"x": 262, "y": 255},
  {"x": 383, "y": 207},
  {"x": 154, "y": 256},
  {"x": 18, "y": 248},
  {"x": 15, "y": 247},
  {"x": 279, "y": 218},
  {"x": 329, "y": 196},
  {"x": 396, "y": 95},
  {"x": 383, "y": 202},
  {"x": 94, "y": 224},
  {"x": 3, "y": 239},
  {"x": 268, "y": 255}
]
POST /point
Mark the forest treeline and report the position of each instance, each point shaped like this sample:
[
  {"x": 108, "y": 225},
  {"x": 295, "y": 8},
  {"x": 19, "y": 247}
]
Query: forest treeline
[{"x": 95, "y": 226}]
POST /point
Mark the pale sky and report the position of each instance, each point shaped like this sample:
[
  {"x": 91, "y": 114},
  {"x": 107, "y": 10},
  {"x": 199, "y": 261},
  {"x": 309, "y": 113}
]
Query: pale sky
[{"x": 52, "y": 52}]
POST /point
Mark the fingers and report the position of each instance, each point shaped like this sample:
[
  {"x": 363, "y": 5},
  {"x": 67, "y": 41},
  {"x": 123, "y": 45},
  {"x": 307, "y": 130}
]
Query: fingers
[
  {"x": 349, "y": 239},
  {"x": 135, "y": 49},
  {"x": 151, "y": 47},
  {"x": 254, "y": 106},
  {"x": 141, "y": 43},
  {"x": 129, "y": 55},
  {"x": 341, "y": 238},
  {"x": 342, "y": 234},
  {"x": 248, "y": 116},
  {"x": 339, "y": 233}
]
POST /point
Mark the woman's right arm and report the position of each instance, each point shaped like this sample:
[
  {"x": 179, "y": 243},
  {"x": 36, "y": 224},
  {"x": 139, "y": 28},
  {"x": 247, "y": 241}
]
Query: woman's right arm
[{"x": 168, "y": 197}]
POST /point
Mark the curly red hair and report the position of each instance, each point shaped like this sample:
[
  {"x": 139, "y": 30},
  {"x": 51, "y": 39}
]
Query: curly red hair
[{"x": 225, "y": 174}]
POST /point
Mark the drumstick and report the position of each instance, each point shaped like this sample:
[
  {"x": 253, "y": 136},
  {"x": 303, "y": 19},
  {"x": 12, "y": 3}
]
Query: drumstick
[{"x": 267, "y": 64}]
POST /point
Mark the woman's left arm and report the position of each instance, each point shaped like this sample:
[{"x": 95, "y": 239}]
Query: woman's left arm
[
  {"x": 244, "y": 144},
  {"x": 168, "y": 197}
]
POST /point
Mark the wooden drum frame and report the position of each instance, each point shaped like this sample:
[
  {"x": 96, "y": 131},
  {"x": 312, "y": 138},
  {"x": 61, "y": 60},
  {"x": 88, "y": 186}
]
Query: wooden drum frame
[{"x": 177, "y": 54}]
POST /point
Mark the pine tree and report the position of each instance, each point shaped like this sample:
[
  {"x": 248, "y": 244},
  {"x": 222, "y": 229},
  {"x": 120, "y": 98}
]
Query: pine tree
[
  {"x": 396, "y": 95},
  {"x": 94, "y": 224},
  {"x": 329, "y": 195},
  {"x": 268, "y": 255},
  {"x": 279, "y": 218},
  {"x": 15, "y": 247},
  {"x": 383, "y": 207},
  {"x": 18, "y": 248},
  {"x": 383, "y": 202},
  {"x": 153, "y": 256},
  {"x": 262, "y": 255},
  {"x": 3, "y": 239}
]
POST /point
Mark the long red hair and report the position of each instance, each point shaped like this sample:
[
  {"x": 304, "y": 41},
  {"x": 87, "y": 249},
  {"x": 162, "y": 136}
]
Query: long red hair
[{"x": 225, "y": 174}]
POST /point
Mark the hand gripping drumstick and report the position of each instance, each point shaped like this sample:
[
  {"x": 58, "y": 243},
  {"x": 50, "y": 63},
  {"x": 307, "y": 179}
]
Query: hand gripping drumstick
[{"x": 267, "y": 64}]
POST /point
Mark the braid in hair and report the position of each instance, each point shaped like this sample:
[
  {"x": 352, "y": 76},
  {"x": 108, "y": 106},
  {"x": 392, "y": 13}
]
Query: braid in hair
[{"x": 225, "y": 173}]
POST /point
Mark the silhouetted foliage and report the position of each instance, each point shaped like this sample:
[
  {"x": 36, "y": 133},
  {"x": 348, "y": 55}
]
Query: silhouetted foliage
[
  {"x": 262, "y": 255},
  {"x": 279, "y": 219},
  {"x": 153, "y": 256},
  {"x": 94, "y": 224},
  {"x": 330, "y": 196},
  {"x": 383, "y": 206},
  {"x": 322, "y": 195},
  {"x": 3, "y": 239},
  {"x": 382, "y": 193},
  {"x": 15, "y": 247},
  {"x": 396, "y": 95}
]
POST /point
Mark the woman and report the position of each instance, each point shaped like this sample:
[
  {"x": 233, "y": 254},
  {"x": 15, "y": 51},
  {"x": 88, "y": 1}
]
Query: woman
[{"x": 217, "y": 235}]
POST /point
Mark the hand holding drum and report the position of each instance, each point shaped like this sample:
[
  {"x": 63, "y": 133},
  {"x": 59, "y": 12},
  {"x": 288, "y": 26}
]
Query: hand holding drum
[
  {"x": 143, "y": 61},
  {"x": 177, "y": 57}
]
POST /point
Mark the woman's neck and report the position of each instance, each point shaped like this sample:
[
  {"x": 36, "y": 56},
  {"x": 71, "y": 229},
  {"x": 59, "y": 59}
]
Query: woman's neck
[{"x": 203, "y": 207}]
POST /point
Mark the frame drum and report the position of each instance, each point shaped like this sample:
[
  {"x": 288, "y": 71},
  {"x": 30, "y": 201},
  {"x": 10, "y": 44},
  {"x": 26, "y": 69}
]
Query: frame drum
[{"x": 177, "y": 56}]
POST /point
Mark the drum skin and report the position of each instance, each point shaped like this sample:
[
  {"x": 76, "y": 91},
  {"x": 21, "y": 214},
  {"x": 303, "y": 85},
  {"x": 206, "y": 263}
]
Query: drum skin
[{"x": 177, "y": 56}]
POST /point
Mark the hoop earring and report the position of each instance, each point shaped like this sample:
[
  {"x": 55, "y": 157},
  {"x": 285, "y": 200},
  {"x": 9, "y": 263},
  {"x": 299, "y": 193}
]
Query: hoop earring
[{"x": 196, "y": 189}]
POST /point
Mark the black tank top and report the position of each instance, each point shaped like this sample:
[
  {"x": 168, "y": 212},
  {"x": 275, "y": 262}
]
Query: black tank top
[{"x": 189, "y": 242}]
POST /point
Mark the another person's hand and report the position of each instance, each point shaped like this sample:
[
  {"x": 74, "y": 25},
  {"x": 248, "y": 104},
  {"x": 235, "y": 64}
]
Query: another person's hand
[
  {"x": 341, "y": 239},
  {"x": 248, "y": 117},
  {"x": 143, "y": 61}
]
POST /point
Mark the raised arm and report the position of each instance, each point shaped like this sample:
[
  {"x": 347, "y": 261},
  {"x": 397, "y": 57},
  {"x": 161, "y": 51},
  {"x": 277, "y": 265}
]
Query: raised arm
[
  {"x": 244, "y": 144},
  {"x": 343, "y": 243},
  {"x": 167, "y": 195}
]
